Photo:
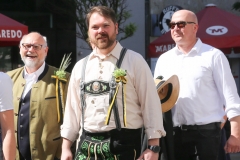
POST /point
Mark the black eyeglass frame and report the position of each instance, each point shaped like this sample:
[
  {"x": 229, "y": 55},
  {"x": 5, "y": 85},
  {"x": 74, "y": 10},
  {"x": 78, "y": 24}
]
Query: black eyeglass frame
[
  {"x": 32, "y": 45},
  {"x": 180, "y": 24}
]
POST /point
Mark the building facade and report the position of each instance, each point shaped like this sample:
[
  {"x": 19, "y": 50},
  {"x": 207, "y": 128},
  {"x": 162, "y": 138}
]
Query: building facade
[{"x": 44, "y": 17}]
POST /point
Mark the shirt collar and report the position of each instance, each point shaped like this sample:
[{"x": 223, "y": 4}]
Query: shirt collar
[
  {"x": 196, "y": 48},
  {"x": 115, "y": 52},
  {"x": 35, "y": 74}
]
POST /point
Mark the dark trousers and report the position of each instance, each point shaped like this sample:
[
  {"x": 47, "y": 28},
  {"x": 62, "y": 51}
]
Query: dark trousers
[
  {"x": 197, "y": 142},
  {"x": 120, "y": 145}
]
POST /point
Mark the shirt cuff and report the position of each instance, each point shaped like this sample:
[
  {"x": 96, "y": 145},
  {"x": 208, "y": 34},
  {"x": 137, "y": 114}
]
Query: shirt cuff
[
  {"x": 234, "y": 112},
  {"x": 68, "y": 134},
  {"x": 153, "y": 133}
]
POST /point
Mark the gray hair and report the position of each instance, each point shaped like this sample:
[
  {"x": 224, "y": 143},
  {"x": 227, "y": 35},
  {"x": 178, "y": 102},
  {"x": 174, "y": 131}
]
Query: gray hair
[{"x": 44, "y": 37}]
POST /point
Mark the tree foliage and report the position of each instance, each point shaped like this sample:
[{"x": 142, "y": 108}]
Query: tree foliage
[
  {"x": 82, "y": 6},
  {"x": 236, "y": 6}
]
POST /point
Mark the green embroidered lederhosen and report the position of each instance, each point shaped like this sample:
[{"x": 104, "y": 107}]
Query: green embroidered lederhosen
[
  {"x": 113, "y": 145},
  {"x": 97, "y": 146}
]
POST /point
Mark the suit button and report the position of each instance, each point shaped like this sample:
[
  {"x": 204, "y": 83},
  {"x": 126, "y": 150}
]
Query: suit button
[
  {"x": 22, "y": 84},
  {"x": 23, "y": 103},
  {"x": 21, "y": 138},
  {"x": 21, "y": 126},
  {"x": 21, "y": 114}
]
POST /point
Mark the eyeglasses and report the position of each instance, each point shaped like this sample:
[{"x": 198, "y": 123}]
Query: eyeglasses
[
  {"x": 180, "y": 24},
  {"x": 36, "y": 47}
]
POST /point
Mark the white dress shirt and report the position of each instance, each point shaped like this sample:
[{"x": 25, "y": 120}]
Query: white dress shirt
[
  {"x": 31, "y": 79},
  {"x": 206, "y": 84}
]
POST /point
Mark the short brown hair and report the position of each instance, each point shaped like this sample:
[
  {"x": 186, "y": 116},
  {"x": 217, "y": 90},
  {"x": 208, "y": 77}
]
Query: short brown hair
[{"x": 103, "y": 11}]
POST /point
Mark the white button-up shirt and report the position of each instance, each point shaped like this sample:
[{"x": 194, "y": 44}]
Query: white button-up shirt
[
  {"x": 31, "y": 79},
  {"x": 206, "y": 84}
]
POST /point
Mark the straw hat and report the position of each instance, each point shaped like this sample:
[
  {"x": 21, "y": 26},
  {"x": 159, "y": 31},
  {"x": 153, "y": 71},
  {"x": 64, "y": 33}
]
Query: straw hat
[{"x": 168, "y": 91}]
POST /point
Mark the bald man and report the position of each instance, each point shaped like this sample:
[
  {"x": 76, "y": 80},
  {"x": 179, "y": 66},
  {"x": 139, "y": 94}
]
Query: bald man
[
  {"x": 206, "y": 84},
  {"x": 34, "y": 95}
]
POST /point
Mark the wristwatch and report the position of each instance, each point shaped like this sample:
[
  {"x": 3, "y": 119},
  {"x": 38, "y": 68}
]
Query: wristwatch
[{"x": 155, "y": 149}]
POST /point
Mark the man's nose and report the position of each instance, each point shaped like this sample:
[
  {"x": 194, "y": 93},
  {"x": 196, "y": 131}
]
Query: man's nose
[{"x": 100, "y": 30}]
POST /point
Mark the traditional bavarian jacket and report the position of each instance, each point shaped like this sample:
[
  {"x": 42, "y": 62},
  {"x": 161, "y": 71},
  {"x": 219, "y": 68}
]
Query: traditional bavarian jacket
[
  {"x": 43, "y": 132},
  {"x": 142, "y": 102}
]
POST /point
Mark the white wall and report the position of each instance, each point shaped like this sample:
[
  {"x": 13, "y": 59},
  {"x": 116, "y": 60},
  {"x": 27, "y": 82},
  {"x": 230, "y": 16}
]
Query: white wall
[{"x": 137, "y": 41}]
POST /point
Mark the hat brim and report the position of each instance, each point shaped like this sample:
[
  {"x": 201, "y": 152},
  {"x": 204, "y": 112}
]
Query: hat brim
[{"x": 168, "y": 91}]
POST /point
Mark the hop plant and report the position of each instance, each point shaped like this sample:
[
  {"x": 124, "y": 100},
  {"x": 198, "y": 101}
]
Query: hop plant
[
  {"x": 64, "y": 64},
  {"x": 119, "y": 73},
  {"x": 60, "y": 74}
]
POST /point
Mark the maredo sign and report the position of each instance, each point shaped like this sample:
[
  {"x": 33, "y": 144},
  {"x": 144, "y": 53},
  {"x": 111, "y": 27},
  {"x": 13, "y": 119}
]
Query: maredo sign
[
  {"x": 10, "y": 34},
  {"x": 11, "y": 31},
  {"x": 163, "y": 48}
]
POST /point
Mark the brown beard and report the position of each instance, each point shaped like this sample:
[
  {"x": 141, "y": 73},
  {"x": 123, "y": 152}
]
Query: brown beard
[{"x": 103, "y": 43}]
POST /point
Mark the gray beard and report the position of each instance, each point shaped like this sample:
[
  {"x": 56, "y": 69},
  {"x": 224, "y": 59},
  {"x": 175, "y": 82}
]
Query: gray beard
[{"x": 32, "y": 64}]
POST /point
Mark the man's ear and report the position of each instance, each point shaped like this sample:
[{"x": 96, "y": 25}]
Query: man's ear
[
  {"x": 196, "y": 27},
  {"x": 116, "y": 27},
  {"x": 46, "y": 50}
]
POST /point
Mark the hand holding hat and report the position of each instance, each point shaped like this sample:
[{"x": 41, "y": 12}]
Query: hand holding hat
[{"x": 168, "y": 91}]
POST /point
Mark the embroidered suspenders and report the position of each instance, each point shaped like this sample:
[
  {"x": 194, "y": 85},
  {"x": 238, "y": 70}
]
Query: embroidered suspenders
[{"x": 103, "y": 87}]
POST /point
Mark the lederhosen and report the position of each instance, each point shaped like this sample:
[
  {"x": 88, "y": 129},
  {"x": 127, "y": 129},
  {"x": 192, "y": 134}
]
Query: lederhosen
[{"x": 117, "y": 144}]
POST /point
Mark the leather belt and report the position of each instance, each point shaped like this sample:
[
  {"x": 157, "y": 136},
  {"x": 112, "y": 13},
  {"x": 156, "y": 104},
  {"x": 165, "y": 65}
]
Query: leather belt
[
  {"x": 123, "y": 132},
  {"x": 210, "y": 126}
]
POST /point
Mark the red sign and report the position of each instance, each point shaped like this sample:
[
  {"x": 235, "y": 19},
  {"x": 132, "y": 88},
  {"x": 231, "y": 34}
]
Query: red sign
[
  {"x": 161, "y": 45},
  {"x": 11, "y": 31}
]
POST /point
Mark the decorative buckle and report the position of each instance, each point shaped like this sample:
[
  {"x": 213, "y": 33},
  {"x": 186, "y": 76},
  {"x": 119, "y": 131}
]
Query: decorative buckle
[
  {"x": 112, "y": 84},
  {"x": 81, "y": 85}
]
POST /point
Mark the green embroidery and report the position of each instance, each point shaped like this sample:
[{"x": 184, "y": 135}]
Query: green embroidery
[
  {"x": 92, "y": 149},
  {"x": 104, "y": 87},
  {"x": 98, "y": 149},
  {"x": 84, "y": 147},
  {"x": 102, "y": 149},
  {"x": 80, "y": 156},
  {"x": 97, "y": 138},
  {"x": 88, "y": 87},
  {"x": 105, "y": 147}
]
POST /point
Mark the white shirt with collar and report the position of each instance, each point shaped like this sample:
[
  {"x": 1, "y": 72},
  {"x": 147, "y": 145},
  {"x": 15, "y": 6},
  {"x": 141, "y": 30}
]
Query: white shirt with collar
[
  {"x": 142, "y": 102},
  {"x": 206, "y": 84},
  {"x": 31, "y": 79}
]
